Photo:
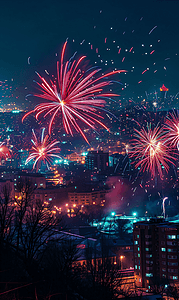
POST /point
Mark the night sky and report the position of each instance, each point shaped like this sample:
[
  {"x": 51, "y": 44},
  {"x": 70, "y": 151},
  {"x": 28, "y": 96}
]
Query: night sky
[{"x": 32, "y": 32}]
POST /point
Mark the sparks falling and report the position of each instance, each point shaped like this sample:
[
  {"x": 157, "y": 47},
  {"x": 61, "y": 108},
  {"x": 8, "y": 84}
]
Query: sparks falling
[
  {"x": 42, "y": 150},
  {"x": 151, "y": 151},
  {"x": 76, "y": 94},
  {"x": 172, "y": 130}
]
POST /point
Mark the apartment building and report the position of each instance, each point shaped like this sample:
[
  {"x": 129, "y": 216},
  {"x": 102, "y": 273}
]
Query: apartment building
[
  {"x": 156, "y": 252},
  {"x": 87, "y": 198}
]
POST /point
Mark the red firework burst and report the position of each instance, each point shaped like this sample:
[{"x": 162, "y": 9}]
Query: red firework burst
[
  {"x": 151, "y": 151},
  {"x": 42, "y": 150},
  {"x": 4, "y": 152},
  {"x": 171, "y": 128},
  {"x": 76, "y": 94}
]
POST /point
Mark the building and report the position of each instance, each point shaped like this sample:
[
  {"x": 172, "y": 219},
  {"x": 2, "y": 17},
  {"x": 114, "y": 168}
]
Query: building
[
  {"x": 156, "y": 252},
  {"x": 87, "y": 198},
  {"x": 97, "y": 161},
  {"x": 76, "y": 158},
  {"x": 22, "y": 156}
]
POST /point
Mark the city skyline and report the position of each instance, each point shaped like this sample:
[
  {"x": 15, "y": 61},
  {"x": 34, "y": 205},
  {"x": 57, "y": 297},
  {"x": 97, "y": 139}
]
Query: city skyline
[{"x": 89, "y": 149}]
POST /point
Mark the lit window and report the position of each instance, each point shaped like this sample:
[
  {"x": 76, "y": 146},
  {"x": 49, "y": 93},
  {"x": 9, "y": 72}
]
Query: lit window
[
  {"x": 138, "y": 254},
  {"x": 171, "y": 237},
  {"x": 138, "y": 248},
  {"x": 136, "y": 267},
  {"x": 138, "y": 236},
  {"x": 146, "y": 249},
  {"x": 163, "y": 249},
  {"x": 149, "y": 274},
  {"x": 172, "y": 250},
  {"x": 136, "y": 242},
  {"x": 173, "y": 277}
]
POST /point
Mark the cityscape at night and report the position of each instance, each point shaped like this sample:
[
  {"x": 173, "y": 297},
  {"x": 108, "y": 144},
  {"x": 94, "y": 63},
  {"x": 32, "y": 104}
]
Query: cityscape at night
[{"x": 89, "y": 150}]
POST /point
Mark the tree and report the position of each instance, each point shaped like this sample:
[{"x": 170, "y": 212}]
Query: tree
[
  {"x": 37, "y": 227},
  {"x": 7, "y": 208},
  {"x": 24, "y": 189},
  {"x": 172, "y": 291},
  {"x": 26, "y": 227},
  {"x": 56, "y": 263}
]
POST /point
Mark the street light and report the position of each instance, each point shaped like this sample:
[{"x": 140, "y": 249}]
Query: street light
[{"x": 121, "y": 258}]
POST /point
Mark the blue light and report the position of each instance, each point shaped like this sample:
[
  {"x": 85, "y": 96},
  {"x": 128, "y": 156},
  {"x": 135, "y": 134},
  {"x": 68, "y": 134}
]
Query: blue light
[
  {"x": 84, "y": 153},
  {"x": 15, "y": 111},
  {"x": 134, "y": 214},
  {"x": 113, "y": 213}
]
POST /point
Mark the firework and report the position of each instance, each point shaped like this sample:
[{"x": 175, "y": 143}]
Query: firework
[
  {"x": 163, "y": 206},
  {"x": 172, "y": 130},
  {"x": 4, "y": 151},
  {"x": 75, "y": 94},
  {"x": 151, "y": 151},
  {"x": 42, "y": 150}
]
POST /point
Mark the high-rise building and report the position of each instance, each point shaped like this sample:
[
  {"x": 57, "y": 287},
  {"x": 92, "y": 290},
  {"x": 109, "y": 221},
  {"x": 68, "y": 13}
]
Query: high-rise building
[
  {"x": 156, "y": 252},
  {"x": 97, "y": 160}
]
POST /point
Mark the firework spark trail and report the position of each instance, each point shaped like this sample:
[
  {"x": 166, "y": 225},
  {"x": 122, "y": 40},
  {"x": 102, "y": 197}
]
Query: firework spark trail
[
  {"x": 171, "y": 128},
  {"x": 76, "y": 95},
  {"x": 152, "y": 29},
  {"x": 163, "y": 206},
  {"x": 131, "y": 49},
  {"x": 144, "y": 71},
  {"x": 42, "y": 150},
  {"x": 150, "y": 150}
]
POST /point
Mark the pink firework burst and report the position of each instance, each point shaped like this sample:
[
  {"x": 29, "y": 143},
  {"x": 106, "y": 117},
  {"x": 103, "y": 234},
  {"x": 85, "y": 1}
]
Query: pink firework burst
[
  {"x": 42, "y": 150},
  {"x": 150, "y": 151},
  {"x": 75, "y": 94},
  {"x": 4, "y": 151},
  {"x": 171, "y": 128}
]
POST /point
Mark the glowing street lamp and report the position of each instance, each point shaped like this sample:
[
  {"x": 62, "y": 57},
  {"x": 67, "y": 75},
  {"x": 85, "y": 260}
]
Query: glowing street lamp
[{"x": 121, "y": 258}]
